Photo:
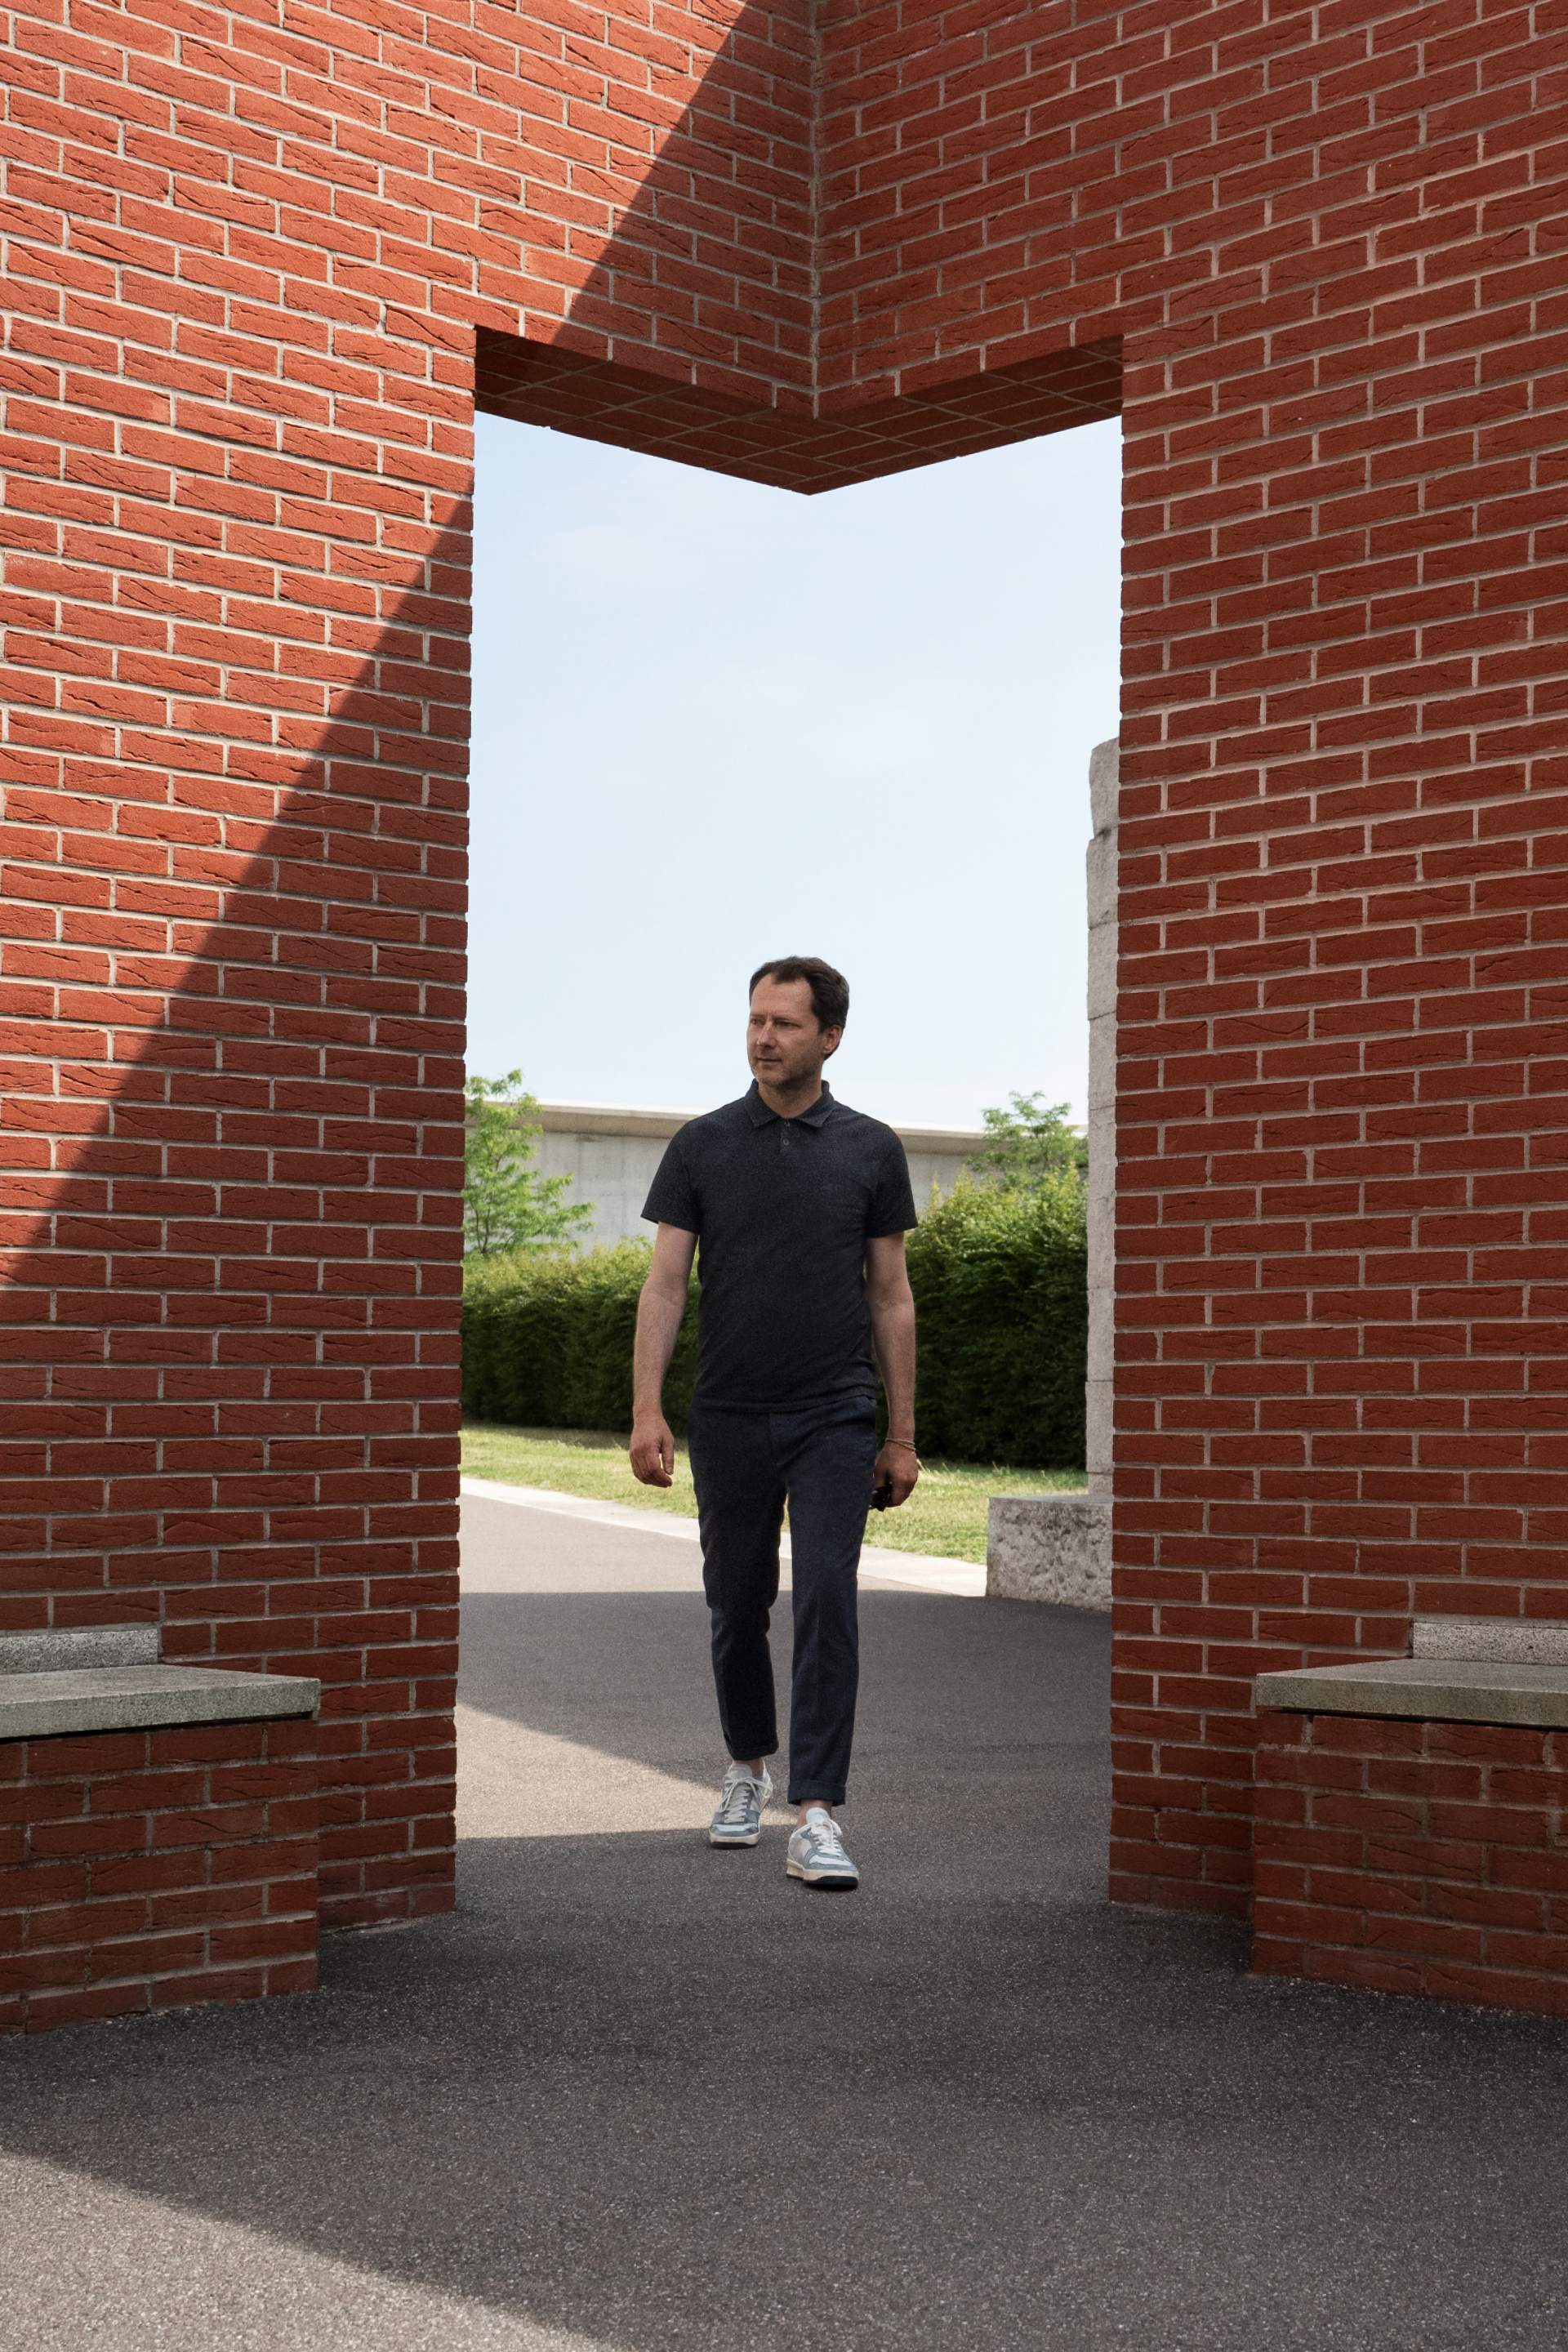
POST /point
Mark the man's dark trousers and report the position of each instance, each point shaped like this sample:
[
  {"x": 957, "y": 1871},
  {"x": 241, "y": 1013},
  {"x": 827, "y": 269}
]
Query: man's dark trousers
[{"x": 745, "y": 1464}]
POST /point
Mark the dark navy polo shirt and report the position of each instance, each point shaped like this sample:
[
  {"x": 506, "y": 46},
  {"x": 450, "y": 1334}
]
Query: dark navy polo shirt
[{"x": 783, "y": 1210}]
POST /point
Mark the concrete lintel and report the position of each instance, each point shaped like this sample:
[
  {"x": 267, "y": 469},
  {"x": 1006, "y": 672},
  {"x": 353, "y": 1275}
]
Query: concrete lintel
[
  {"x": 61, "y": 1647},
  {"x": 1451, "y": 1690},
  {"x": 146, "y": 1698}
]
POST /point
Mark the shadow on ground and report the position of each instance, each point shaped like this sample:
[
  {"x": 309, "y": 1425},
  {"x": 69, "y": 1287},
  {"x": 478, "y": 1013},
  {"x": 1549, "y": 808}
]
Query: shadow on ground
[{"x": 634, "y": 2095}]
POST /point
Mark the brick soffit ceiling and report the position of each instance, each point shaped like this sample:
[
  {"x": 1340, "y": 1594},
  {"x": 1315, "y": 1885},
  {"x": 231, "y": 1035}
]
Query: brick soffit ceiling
[{"x": 799, "y": 435}]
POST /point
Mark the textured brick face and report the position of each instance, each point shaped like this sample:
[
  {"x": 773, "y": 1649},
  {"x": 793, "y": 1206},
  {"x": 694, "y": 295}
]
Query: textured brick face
[
  {"x": 154, "y": 1869},
  {"x": 1317, "y": 254},
  {"x": 1415, "y": 1857}
]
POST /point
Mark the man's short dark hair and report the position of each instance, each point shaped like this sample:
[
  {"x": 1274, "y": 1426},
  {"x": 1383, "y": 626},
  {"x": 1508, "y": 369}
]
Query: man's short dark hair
[{"x": 829, "y": 989}]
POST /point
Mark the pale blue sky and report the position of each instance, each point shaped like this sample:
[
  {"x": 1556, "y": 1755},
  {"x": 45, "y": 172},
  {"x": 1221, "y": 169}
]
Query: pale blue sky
[{"x": 715, "y": 722}]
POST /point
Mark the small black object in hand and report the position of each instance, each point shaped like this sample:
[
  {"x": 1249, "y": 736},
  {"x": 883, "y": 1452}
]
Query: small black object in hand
[{"x": 882, "y": 1496}]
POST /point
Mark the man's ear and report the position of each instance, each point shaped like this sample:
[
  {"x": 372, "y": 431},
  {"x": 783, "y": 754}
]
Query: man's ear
[{"x": 829, "y": 1050}]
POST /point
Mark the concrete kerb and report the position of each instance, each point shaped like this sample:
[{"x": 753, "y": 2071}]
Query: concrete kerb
[{"x": 921, "y": 1571}]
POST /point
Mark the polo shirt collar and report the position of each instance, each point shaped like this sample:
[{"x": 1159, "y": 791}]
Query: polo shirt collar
[{"x": 759, "y": 1114}]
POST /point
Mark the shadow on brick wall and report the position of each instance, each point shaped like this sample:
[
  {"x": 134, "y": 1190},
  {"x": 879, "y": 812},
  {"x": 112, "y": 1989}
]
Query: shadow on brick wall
[
  {"x": 228, "y": 1335},
  {"x": 233, "y": 962},
  {"x": 692, "y": 332}
]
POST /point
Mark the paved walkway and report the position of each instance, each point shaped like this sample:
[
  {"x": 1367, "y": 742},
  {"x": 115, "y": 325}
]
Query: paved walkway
[
  {"x": 637, "y": 2098},
  {"x": 879, "y": 1564}
]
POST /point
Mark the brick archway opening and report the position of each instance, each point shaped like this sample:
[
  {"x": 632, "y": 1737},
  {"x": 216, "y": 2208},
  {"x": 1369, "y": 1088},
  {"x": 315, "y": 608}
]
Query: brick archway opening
[{"x": 628, "y": 408}]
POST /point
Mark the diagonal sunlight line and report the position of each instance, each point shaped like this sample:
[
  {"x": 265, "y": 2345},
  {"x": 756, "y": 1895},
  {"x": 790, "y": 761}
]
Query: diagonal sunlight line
[
  {"x": 160, "y": 2268},
  {"x": 686, "y": 114},
  {"x": 514, "y": 1781}
]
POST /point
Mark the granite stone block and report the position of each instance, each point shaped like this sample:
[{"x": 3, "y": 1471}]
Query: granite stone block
[
  {"x": 1104, "y": 784},
  {"x": 1049, "y": 1548},
  {"x": 1522, "y": 1641},
  {"x": 59, "y": 1649}
]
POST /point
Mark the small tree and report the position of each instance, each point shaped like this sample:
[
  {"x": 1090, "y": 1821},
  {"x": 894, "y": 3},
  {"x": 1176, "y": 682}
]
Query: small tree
[
  {"x": 1028, "y": 1144},
  {"x": 507, "y": 1203}
]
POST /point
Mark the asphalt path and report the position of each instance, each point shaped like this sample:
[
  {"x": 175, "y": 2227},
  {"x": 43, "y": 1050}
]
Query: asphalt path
[{"x": 637, "y": 2097}]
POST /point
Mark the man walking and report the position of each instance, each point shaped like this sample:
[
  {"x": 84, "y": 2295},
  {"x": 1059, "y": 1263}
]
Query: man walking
[{"x": 800, "y": 1207}]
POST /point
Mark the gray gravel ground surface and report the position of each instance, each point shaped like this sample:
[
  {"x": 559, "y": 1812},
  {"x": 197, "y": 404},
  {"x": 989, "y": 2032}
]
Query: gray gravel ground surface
[{"x": 635, "y": 2096}]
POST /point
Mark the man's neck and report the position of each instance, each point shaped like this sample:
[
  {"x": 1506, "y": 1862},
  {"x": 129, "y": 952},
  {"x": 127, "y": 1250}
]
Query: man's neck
[{"x": 789, "y": 1101}]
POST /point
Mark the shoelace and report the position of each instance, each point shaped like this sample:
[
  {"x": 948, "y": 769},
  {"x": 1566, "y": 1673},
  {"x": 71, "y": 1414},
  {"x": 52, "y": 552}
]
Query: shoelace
[
  {"x": 733, "y": 1805},
  {"x": 826, "y": 1836}
]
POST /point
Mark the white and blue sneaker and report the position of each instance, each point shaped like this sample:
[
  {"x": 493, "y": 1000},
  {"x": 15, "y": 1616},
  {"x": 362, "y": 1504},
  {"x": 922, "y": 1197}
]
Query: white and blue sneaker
[
  {"x": 816, "y": 1854},
  {"x": 739, "y": 1819}
]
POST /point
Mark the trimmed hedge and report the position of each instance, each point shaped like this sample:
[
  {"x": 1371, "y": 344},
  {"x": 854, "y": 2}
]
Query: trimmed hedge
[
  {"x": 547, "y": 1339},
  {"x": 1000, "y": 1281},
  {"x": 1001, "y": 1284}
]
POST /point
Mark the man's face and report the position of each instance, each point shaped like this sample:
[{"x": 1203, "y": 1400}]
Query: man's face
[{"x": 783, "y": 1041}]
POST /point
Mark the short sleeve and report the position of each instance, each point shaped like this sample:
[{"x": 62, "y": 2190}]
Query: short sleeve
[
  {"x": 892, "y": 1200},
  {"x": 672, "y": 1200}
]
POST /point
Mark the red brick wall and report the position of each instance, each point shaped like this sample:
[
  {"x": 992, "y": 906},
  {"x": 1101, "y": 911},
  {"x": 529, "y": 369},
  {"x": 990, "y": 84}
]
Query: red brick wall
[
  {"x": 1343, "y": 1386},
  {"x": 1316, "y": 253},
  {"x": 1415, "y": 1857},
  {"x": 151, "y": 1869}
]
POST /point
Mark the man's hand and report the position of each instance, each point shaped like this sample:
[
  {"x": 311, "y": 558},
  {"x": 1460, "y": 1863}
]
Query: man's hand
[
  {"x": 659, "y": 1311},
  {"x": 653, "y": 1451},
  {"x": 893, "y": 1331},
  {"x": 899, "y": 1464}
]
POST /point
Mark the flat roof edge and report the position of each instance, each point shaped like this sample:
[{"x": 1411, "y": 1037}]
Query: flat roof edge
[{"x": 633, "y": 1119}]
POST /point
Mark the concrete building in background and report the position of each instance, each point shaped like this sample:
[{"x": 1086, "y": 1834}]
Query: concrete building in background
[{"x": 610, "y": 1152}]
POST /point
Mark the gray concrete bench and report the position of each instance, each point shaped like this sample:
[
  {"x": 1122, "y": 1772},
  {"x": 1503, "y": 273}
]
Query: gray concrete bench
[
  {"x": 110, "y": 1678},
  {"x": 160, "y": 1829},
  {"x": 1502, "y": 1670},
  {"x": 1408, "y": 1818}
]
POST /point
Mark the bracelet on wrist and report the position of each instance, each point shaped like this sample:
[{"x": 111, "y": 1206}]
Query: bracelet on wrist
[{"x": 906, "y": 1443}]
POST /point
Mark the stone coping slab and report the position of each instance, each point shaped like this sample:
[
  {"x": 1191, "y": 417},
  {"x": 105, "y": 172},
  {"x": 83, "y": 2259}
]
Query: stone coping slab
[
  {"x": 1443, "y": 1690},
  {"x": 59, "y": 1647},
  {"x": 146, "y": 1698},
  {"x": 1513, "y": 1641}
]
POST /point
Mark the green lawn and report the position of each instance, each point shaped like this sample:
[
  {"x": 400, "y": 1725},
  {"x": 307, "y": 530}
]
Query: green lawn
[{"x": 945, "y": 1515}]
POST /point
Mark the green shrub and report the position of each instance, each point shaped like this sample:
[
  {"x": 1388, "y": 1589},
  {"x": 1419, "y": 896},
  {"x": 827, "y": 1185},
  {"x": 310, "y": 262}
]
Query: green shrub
[
  {"x": 1001, "y": 1284},
  {"x": 1000, "y": 1279},
  {"x": 547, "y": 1340}
]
